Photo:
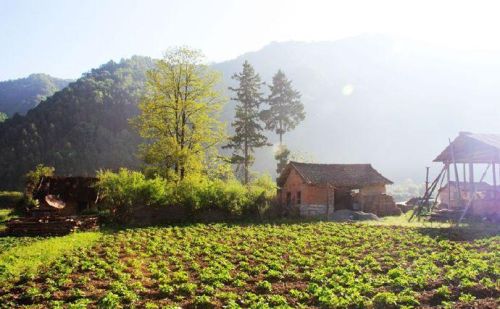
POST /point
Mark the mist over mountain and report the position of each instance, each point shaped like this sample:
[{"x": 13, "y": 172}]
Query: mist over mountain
[
  {"x": 368, "y": 99},
  {"x": 21, "y": 95},
  {"x": 374, "y": 99}
]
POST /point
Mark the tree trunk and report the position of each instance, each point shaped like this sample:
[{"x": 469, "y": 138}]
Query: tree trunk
[
  {"x": 281, "y": 133},
  {"x": 246, "y": 162}
]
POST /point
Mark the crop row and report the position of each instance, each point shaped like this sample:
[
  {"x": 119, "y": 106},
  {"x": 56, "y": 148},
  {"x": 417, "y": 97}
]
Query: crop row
[{"x": 260, "y": 266}]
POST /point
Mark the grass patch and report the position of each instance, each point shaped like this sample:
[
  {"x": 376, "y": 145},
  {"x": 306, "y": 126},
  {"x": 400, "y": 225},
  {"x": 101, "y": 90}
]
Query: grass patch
[
  {"x": 8, "y": 199},
  {"x": 6, "y": 215},
  {"x": 26, "y": 259},
  {"x": 402, "y": 220}
]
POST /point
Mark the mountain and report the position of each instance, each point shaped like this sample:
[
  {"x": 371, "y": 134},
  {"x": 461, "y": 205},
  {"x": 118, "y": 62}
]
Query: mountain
[
  {"x": 368, "y": 99},
  {"x": 80, "y": 129},
  {"x": 21, "y": 95},
  {"x": 376, "y": 99}
]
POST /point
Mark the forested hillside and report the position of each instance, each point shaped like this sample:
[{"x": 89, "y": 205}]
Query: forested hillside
[
  {"x": 367, "y": 99},
  {"x": 21, "y": 95},
  {"x": 80, "y": 129},
  {"x": 376, "y": 99}
]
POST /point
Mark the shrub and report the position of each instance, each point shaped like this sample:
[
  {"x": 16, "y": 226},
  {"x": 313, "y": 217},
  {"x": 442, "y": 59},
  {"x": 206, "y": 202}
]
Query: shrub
[
  {"x": 126, "y": 190},
  {"x": 33, "y": 177},
  {"x": 123, "y": 191}
]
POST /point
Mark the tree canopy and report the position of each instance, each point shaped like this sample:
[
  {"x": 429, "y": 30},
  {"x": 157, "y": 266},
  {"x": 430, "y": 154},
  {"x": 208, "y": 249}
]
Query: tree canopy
[
  {"x": 286, "y": 110},
  {"x": 78, "y": 130},
  {"x": 247, "y": 125},
  {"x": 179, "y": 114},
  {"x": 21, "y": 95}
]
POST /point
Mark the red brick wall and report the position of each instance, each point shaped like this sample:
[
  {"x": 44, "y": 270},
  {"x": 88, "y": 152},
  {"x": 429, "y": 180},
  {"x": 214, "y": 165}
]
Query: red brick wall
[{"x": 310, "y": 194}]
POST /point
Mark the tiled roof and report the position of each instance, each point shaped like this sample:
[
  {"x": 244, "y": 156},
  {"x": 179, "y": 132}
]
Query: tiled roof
[
  {"x": 472, "y": 147},
  {"x": 352, "y": 175}
]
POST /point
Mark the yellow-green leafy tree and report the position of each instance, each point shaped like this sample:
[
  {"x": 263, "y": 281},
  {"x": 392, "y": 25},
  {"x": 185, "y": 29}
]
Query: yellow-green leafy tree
[{"x": 179, "y": 116}]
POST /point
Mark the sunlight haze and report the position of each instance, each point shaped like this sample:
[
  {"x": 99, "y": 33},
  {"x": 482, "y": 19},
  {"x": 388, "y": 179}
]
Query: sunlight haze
[{"x": 84, "y": 34}]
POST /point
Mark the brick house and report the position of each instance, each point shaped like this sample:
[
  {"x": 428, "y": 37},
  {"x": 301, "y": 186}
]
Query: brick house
[{"x": 315, "y": 189}]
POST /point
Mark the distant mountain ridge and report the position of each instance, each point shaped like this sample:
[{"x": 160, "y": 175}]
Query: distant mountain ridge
[
  {"x": 21, "y": 95},
  {"x": 374, "y": 99},
  {"x": 80, "y": 129},
  {"x": 368, "y": 99}
]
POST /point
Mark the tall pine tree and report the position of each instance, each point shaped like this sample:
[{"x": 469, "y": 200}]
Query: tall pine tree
[
  {"x": 248, "y": 130},
  {"x": 286, "y": 110}
]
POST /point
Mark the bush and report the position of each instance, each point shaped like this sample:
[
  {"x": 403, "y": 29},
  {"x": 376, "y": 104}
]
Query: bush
[
  {"x": 126, "y": 190},
  {"x": 33, "y": 177},
  {"x": 122, "y": 191}
]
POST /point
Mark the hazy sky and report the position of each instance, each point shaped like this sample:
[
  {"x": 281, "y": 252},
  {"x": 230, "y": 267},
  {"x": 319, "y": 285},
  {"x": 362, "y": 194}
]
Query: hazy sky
[{"x": 67, "y": 37}]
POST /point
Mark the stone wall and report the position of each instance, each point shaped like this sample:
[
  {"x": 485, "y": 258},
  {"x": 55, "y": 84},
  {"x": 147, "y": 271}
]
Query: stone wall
[{"x": 314, "y": 210}]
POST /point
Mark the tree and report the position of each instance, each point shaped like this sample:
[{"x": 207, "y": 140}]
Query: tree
[
  {"x": 248, "y": 130},
  {"x": 281, "y": 155},
  {"x": 179, "y": 114},
  {"x": 33, "y": 177},
  {"x": 286, "y": 110},
  {"x": 40, "y": 171},
  {"x": 3, "y": 117}
]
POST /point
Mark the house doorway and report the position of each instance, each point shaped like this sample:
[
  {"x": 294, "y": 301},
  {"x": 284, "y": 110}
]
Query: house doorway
[{"x": 343, "y": 198}]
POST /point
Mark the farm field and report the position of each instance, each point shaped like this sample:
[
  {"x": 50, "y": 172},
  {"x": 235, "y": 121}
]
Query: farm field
[{"x": 262, "y": 265}]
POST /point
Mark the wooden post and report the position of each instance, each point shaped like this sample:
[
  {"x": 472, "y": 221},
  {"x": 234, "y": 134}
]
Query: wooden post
[
  {"x": 465, "y": 176},
  {"x": 457, "y": 177},
  {"x": 449, "y": 186},
  {"x": 494, "y": 180},
  {"x": 426, "y": 178},
  {"x": 472, "y": 187}
]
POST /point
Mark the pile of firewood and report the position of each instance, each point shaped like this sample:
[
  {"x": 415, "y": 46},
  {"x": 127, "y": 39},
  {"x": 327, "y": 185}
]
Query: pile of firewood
[
  {"x": 51, "y": 225},
  {"x": 380, "y": 204}
]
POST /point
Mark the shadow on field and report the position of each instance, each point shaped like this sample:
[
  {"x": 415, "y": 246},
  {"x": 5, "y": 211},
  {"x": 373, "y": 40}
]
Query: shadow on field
[{"x": 462, "y": 233}]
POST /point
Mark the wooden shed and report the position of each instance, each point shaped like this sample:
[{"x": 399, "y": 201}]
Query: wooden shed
[
  {"x": 462, "y": 158},
  {"x": 65, "y": 196}
]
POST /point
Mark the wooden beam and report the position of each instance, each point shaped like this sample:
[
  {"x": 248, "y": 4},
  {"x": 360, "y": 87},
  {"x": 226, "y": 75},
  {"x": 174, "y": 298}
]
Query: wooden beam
[
  {"x": 494, "y": 180},
  {"x": 465, "y": 175},
  {"x": 449, "y": 186},
  {"x": 426, "y": 178},
  {"x": 471, "y": 177}
]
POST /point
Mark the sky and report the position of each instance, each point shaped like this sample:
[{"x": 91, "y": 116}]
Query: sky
[{"x": 65, "y": 38}]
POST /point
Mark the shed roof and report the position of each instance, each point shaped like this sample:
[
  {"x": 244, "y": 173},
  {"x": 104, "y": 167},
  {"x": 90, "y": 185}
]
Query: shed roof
[
  {"x": 349, "y": 175},
  {"x": 465, "y": 186},
  {"x": 472, "y": 148}
]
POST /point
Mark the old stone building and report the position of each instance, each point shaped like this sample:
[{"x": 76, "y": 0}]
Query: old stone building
[{"x": 315, "y": 189}]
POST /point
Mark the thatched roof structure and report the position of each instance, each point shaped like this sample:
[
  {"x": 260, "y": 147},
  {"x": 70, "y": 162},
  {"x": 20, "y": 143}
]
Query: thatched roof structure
[
  {"x": 342, "y": 175},
  {"x": 472, "y": 148}
]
